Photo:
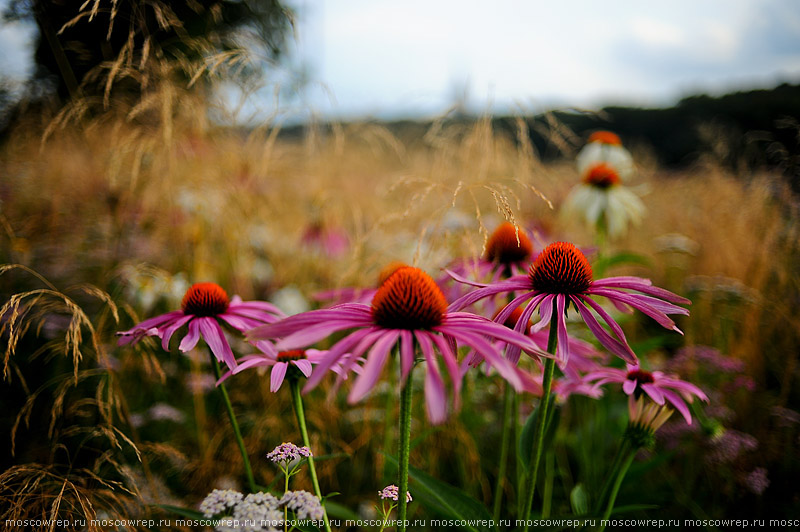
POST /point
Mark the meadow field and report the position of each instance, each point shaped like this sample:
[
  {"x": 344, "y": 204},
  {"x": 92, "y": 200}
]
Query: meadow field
[{"x": 108, "y": 219}]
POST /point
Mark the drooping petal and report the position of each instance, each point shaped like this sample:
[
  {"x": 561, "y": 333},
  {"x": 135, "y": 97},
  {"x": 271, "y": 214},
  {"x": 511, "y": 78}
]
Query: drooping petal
[
  {"x": 620, "y": 349},
  {"x": 406, "y": 354},
  {"x": 277, "y": 375},
  {"x": 191, "y": 338},
  {"x": 376, "y": 360},
  {"x": 167, "y": 332},
  {"x": 156, "y": 322},
  {"x": 679, "y": 405},
  {"x": 335, "y": 353},
  {"x": 477, "y": 342},
  {"x": 545, "y": 313},
  {"x": 435, "y": 393},
  {"x": 562, "y": 346},
  {"x": 628, "y": 385},
  {"x": 654, "y": 392},
  {"x": 511, "y": 285},
  {"x": 215, "y": 338},
  {"x": 451, "y": 363},
  {"x": 304, "y": 366}
]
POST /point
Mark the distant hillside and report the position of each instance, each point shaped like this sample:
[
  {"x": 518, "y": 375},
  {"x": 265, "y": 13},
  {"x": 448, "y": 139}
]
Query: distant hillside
[{"x": 752, "y": 128}]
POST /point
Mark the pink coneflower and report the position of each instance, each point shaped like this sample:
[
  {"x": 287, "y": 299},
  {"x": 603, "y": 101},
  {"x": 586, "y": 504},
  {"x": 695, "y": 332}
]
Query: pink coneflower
[
  {"x": 561, "y": 275},
  {"x": 283, "y": 361},
  {"x": 359, "y": 295},
  {"x": 508, "y": 252},
  {"x": 408, "y": 309},
  {"x": 202, "y": 306},
  {"x": 659, "y": 387}
]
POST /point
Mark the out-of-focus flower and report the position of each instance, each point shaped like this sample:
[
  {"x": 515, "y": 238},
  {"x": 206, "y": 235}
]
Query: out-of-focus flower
[
  {"x": 203, "y": 305},
  {"x": 646, "y": 417},
  {"x": 290, "y": 299},
  {"x": 605, "y": 147},
  {"x": 408, "y": 309},
  {"x": 392, "y": 492},
  {"x": 659, "y": 387},
  {"x": 332, "y": 241},
  {"x": 561, "y": 275},
  {"x": 305, "y": 505},
  {"x": 757, "y": 481},
  {"x": 600, "y": 199},
  {"x": 165, "y": 412},
  {"x": 359, "y": 295},
  {"x": 508, "y": 252},
  {"x": 219, "y": 501}
]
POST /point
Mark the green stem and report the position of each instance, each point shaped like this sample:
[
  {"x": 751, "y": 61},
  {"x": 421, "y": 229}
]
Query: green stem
[
  {"x": 225, "y": 399},
  {"x": 622, "y": 471},
  {"x": 297, "y": 403},
  {"x": 541, "y": 422},
  {"x": 405, "y": 451},
  {"x": 612, "y": 472},
  {"x": 508, "y": 401}
]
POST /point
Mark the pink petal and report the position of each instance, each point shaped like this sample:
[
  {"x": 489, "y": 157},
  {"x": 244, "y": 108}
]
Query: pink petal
[
  {"x": 628, "y": 386},
  {"x": 406, "y": 354},
  {"x": 304, "y": 366},
  {"x": 166, "y": 333},
  {"x": 562, "y": 345},
  {"x": 679, "y": 405},
  {"x": 277, "y": 375},
  {"x": 376, "y": 360},
  {"x": 654, "y": 393},
  {"x": 191, "y": 338},
  {"x": 215, "y": 338},
  {"x": 435, "y": 393}
]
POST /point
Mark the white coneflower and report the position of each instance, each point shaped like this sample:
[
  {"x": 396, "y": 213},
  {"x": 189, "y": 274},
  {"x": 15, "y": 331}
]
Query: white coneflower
[
  {"x": 601, "y": 201},
  {"x": 605, "y": 147}
]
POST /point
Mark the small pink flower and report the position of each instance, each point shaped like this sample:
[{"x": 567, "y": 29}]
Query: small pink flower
[
  {"x": 203, "y": 305},
  {"x": 392, "y": 492},
  {"x": 281, "y": 362},
  {"x": 659, "y": 387}
]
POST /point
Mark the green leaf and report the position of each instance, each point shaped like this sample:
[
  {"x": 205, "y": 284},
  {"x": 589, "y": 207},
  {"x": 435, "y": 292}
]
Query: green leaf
[
  {"x": 525, "y": 443},
  {"x": 340, "y": 512},
  {"x": 624, "y": 257},
  {"x": 579, "y": 500},
  {"x": 183, "y": 512},
  {"x": 447, "y": 500}
]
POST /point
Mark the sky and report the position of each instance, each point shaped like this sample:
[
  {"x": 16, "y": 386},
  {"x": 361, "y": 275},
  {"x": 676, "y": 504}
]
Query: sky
[{"x": 418, "y": 58}]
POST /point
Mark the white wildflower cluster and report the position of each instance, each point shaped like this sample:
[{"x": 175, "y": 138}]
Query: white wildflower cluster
[
  {"x": 218, "y": 501},
  {"x": 258, "y": 512},
  {"x": 305, "y": 505}
]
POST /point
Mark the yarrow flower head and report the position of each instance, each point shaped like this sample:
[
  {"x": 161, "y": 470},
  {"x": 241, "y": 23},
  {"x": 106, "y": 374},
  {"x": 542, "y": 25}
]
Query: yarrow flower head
[
  {"x": 288, "y": 452},
  {"x": 258, "y": 512},
  {"x": 305, "y": 505},
  {"x": 561, "y": 275},
  {"x": 392, "y": 492},
  {"x": 408, "y": 309},
  {"x": 659, "y": 387},
  {"x": 219, "y": 501},
  {"x": 202, "y": 308}
]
